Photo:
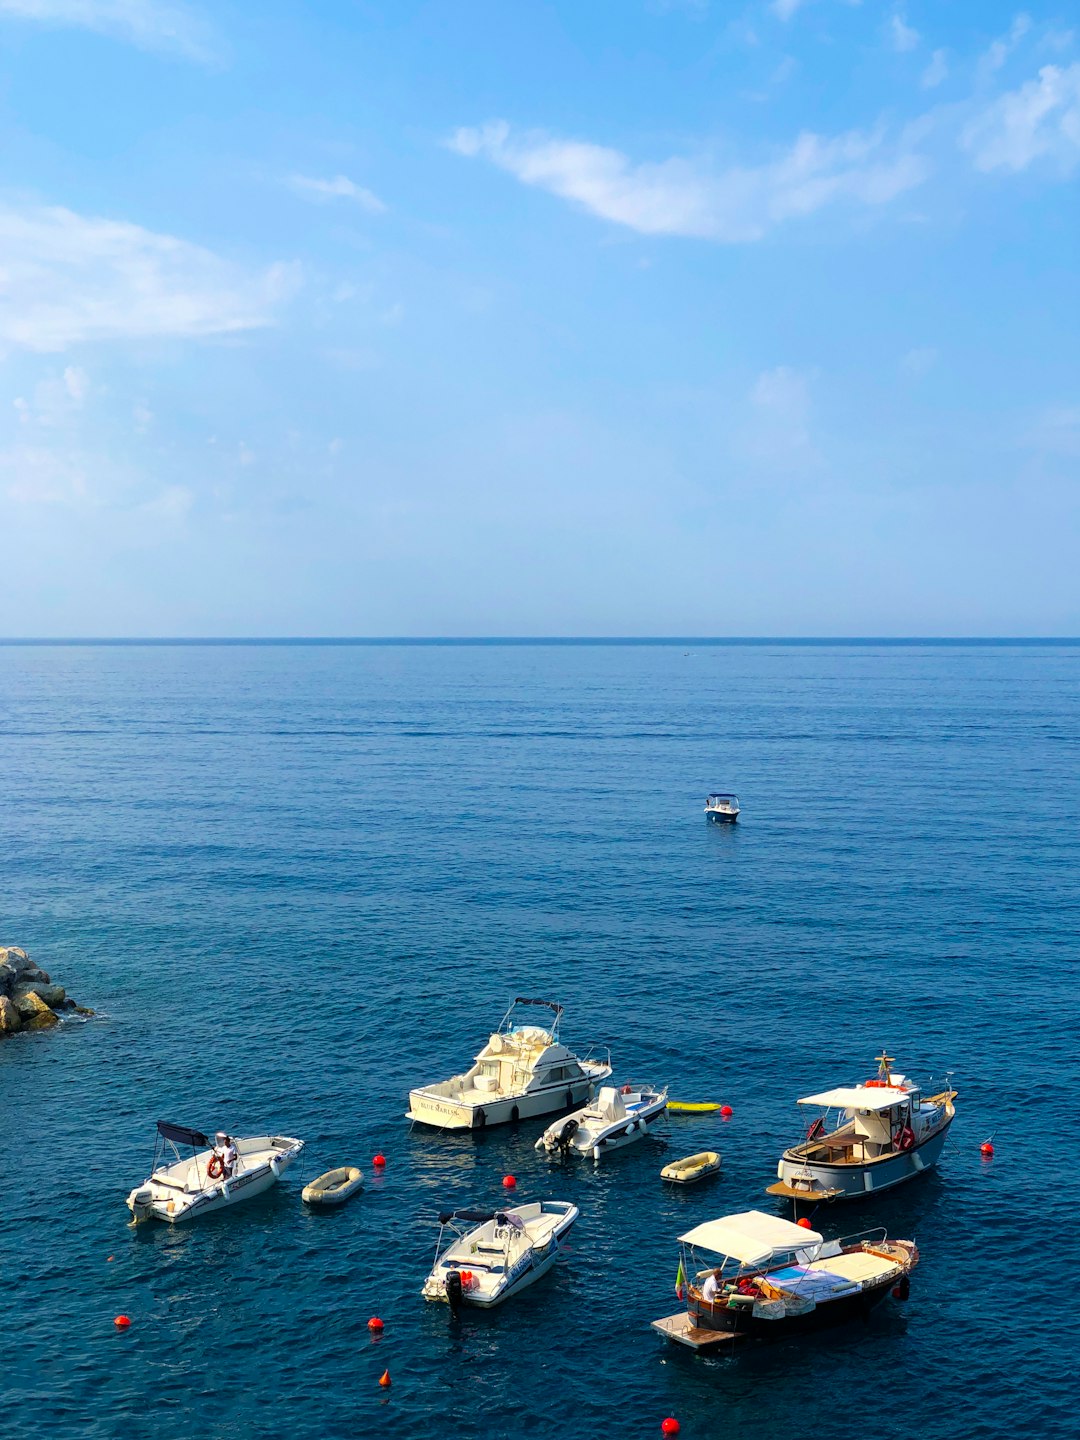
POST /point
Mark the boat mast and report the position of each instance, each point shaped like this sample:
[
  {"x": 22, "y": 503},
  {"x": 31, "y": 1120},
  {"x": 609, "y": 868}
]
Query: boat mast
[{"x": 884, "y": 1073}]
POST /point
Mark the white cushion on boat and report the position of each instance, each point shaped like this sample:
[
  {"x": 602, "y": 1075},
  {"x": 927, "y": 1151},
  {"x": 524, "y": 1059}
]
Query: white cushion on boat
[{"x": 860, "y": 1266}]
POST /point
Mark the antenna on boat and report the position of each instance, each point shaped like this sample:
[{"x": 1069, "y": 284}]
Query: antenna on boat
[{"x": 884, "y": 1061}]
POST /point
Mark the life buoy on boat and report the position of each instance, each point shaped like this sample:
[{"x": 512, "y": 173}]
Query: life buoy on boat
[{"x": 215, "y": 1167}]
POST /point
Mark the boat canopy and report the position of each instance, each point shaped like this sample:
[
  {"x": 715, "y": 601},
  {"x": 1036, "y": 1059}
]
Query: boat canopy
[
  {"x": 721, "y": 795},
  {"x": 858, "y": 1097},
  {"x": 181, "y": 1135},
  {"x": 477, "y": 1217},
  {"x": 752, "y": 1237}
]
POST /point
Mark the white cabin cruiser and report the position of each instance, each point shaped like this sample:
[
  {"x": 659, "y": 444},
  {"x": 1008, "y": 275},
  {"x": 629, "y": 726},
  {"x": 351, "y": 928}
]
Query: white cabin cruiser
[
  {"x": 615, "y": 1118},
  {"x": 523, "y": 1071},
  {"x": 206, "y": 1181},
  {"x": 722, "y": 808},
  {"x": 503, "y": 1252},
  {"x": 869, "y": 1137}
]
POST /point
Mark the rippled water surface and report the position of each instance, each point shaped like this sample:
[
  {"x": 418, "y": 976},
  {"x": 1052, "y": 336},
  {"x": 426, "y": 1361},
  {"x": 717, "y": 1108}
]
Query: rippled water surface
[{"x": 295, "y": 881}]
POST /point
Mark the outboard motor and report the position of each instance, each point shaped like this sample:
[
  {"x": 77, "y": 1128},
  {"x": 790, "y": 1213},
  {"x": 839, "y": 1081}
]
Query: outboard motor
[
  {"x": 454, "y": 1291},
  {"x": 140, "y": 1202},
  {"x": 566, "y": 1135}
]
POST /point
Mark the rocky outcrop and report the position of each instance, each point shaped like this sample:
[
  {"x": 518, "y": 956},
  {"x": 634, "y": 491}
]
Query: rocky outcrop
[{"x": 28, "y": 998}]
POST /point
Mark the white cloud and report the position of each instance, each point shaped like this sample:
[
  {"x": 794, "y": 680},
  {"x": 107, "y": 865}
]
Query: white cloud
[
  {"x": 691, "y": 198},
  {"x": 901, "y": 35},
  {"x": 936, "y": 71},
  {"x": 777, "y": 432},
  {"x": 68, "y": 278},
  {"x": 339, "y": 188},
  {"x": 785, "y": 9},
  {"x": 1039, "y": 120},
  {"x": 996, "y": 55},
  {"x": 149, "y": 24}
]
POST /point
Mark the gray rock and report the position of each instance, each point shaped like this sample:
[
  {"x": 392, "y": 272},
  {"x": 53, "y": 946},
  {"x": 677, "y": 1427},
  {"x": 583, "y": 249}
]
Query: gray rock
[
  {"x": 16, "y": 957},
  {"x": 35, "y": 972},
  {"x": 53, "y": 995},
  {"x": 9, "y": 978},
  {"x": 10, "y": 1019}
]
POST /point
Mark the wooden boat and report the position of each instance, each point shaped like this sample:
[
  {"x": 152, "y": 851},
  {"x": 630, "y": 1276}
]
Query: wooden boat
[
  {"x": 503, "y": 1252},
  {"x": 523, "y": 1071},
  {"x": 334, "y": 1187},
  {"x": 868, "y": 1138},
  {"x": 693, "y": 1107},
  {"x": 777, "y": 1279},
  {"x": 722, "y": 808},
  {"x": 692, "y": 1169}
]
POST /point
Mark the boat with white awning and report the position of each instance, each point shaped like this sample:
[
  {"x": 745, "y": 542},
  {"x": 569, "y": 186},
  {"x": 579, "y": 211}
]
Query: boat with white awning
[{"x": 868, "y": 1138}]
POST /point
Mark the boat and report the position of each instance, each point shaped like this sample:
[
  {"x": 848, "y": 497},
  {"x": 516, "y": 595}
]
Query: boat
[
  {"x": 523, "y": 1071},
  {"x": 334, "y": 1187},
  {"x": 492, "y": 1254},
  {"x": 869, "y": 1137},
  {"x": 615, "y": 1118},
  {"x": 722, "y": 808},
  {"x": 693, "y": 1107},
  {"x": 195, "y": 1185},
  {"x": 692, "y": 1169},
  {"x": 777, "y": 1279}
]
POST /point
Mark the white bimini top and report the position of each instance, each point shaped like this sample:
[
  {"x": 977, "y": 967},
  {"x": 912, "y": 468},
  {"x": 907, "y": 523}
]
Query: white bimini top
[
  {"x": 752, "y": 1237},
  {"x": 858, "y": 1097}
]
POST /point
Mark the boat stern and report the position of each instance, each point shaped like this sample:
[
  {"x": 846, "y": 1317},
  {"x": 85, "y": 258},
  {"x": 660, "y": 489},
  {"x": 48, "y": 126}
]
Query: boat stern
[{"x": 428, "y": 1107}]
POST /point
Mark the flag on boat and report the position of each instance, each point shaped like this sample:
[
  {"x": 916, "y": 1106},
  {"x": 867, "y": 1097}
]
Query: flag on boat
[{"x": 680, "y": 1282}]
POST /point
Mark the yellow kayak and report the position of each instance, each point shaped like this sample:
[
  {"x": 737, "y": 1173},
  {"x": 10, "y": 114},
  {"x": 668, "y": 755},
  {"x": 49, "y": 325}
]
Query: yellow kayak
[{"x": 692, "y": 1107}]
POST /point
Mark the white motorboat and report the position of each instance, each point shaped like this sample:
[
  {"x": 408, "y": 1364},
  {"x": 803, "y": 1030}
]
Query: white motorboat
[
  {"x": 868, "y": 1137},
  {"x": 197, "y": 1184},
  {"x": 523, "y": 1071},
  {"x": 615, "y": 1118},
  {"x": 722, "y": 808},
  {"x": 494, "y": 1254}
]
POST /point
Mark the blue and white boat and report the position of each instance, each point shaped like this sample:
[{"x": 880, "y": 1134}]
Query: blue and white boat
[
  {"x": 615, "y": 1118},
  {"x": 495, "y": 1253},
  {"x": 722, "y": 808}
]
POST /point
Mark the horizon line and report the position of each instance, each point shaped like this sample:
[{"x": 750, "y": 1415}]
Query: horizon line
[{"x": 524, "y": 640}]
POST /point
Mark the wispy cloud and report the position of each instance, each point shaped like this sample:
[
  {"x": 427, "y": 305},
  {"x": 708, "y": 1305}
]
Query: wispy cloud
[
  {"x": 339, "y": 188},
  {"x": 936, "y": 71},
  {"x": 785, "y": 9},
  {"x": 693, "y": 198},
  {"x": 68, "y": 278},
  {"x": 1039, "y": 120},
  {"x": 902, "y": 36},
  {"x": 149, "y": 24},
  {"x": 996, "y": 54}
]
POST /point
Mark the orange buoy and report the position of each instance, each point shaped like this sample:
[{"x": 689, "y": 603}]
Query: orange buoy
[
  {"x": 670, "y": 1426},
  {"x": 986, "y": 1148},
  {"x": 804, "y": 1224},
  {"x": 379, "y": 1162},
  {"x": 121, "y": 1322},
  {"x": 509, "y": 1182},
  {"x": 384, "y": 1379},
  {"x": 374, "y": 1323},
  {"x": 726, "y": 1111},
  {"x": 110, "y": 1257}
]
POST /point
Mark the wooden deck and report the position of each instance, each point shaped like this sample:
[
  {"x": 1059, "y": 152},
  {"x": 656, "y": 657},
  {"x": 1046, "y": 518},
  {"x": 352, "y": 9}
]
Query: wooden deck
[
  {"x": 791, "y": 1192},
  {"x": 679, "y": 1329}
]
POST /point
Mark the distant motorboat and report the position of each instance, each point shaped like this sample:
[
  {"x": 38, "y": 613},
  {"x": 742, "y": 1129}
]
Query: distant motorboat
[
  {"x": 523, "y": 1071},
  {"x": 722, "y": 808},
  {"x": 868, "y": 1138},
  {"x": 492, "y": 1254},
  {"x": 614, "y": 1119},
  {"x": 196, "y": 1185}
]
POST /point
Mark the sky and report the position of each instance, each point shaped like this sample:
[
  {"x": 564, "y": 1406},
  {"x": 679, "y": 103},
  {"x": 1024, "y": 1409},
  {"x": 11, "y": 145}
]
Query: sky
[{"x": 554, "y": 317}]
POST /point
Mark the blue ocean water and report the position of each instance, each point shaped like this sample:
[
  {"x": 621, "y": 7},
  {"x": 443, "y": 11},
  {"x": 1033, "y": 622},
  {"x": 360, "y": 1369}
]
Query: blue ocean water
[{"x": 295, "y": 881}]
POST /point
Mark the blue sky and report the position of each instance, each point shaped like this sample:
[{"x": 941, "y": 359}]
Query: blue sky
[{"x": 579, "y": 317}]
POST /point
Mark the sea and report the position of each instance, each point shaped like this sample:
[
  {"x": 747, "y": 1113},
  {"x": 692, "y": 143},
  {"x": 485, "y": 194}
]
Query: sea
[{"x": 296, "y": 880}]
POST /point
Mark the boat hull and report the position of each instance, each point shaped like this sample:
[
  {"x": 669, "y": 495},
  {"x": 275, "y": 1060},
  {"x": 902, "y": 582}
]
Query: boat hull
[
  {"x": 740, "y": 1320},
  {"x": 817, "y": 1180},
  {"x": 717, "y": 817},
  {"x": 427, "y": 1107}
]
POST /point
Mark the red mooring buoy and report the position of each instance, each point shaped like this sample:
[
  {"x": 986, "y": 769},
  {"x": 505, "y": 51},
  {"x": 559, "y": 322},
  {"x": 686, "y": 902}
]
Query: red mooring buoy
[
  {"x": 726, "y": 1111},
  {"x": 384, "y": 1379},
  {"x": 374, "y": 1323},
  {"x": 804, "y": 1224},
  {"x": 509, "y": 1182},
  {"x": 122, "y": 1322},
  {"x": 670, "y": 1426},
  {"x": 986, "y": 1148},
  {"x": 379, "y": 1162}
]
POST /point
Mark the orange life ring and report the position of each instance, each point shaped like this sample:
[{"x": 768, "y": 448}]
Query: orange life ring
[{"x": 215, "y": 1167}]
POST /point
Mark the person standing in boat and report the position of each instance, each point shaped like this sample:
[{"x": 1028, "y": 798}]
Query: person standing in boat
[{"x": 224, "y": 1157}]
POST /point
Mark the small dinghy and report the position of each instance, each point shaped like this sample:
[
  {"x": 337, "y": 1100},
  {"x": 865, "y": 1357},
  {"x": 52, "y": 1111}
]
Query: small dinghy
[
  {"x": 692, "y": 1169},
  {"x": 333, "y": 1188},
  {"x": 494, "y": 1254},
  {"x": 615, "y": 1118},
  {"x": 223, "y": 1174},
  {"x": 693, "y": 1107}
]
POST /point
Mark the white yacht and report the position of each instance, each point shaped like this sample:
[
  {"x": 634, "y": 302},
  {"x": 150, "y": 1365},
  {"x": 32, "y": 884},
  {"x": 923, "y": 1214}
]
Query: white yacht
[
  {"x": 868, "y": 1137},
  {"x": 615, "y": 1118},
  {"x": 523, "y": 1071},
  {"x": 722, "y": 808},
  {"x": 197, "y": 1184},
  {"x": 502, "y": 1252}
]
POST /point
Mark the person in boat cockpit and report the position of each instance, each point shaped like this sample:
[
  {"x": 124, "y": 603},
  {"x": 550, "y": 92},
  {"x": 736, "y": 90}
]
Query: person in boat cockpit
[
  {"x": 709, "y": 1289},
  {"x": 225, "y": 1154}
]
